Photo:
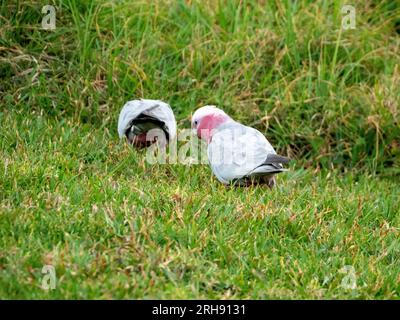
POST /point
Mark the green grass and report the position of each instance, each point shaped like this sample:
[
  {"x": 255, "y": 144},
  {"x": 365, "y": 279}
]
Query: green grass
[{"x": 113, "y": 226}]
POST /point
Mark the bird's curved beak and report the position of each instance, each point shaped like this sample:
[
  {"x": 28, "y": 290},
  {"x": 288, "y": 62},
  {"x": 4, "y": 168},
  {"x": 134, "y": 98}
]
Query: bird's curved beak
[{"x": 194, "y": 131}]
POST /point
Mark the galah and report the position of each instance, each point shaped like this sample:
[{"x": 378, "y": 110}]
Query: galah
[
  {"x": 139, "y": 117},
  {"x": 237, "y": 154}
]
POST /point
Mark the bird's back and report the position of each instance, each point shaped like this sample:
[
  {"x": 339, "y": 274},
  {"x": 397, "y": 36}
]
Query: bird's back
[{"x": 235, "y": 151}]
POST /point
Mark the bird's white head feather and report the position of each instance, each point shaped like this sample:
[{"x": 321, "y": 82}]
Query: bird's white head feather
[{"x": 206, "y": 119}]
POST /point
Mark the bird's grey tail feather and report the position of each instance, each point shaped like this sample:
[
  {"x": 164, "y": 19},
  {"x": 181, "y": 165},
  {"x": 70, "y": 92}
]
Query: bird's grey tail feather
[
  {"x": 267, "y": 169},
  {"x": 276, "y": 158}
]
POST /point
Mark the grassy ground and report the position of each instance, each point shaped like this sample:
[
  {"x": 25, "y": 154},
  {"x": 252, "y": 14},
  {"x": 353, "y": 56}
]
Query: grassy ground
[{"x": 73, "y": 196}]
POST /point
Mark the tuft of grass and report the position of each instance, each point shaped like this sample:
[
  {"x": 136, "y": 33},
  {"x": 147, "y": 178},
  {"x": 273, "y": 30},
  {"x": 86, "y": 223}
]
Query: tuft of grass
[{"x": 114, "y": 226}]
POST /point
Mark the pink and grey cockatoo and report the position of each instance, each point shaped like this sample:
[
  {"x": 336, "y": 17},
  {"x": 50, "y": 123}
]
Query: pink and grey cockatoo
[
  {"x": 138, "y": 117},
  {"x": 237, "y": 154}
]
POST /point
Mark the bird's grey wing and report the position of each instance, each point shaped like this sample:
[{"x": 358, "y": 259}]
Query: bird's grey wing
[
  {"x": 236, "y": 150},
  {"x": 129, "y": 111},
  {"x": 164, "y": 113}
]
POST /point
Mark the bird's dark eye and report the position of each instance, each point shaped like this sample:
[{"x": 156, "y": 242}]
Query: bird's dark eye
[{"x": 195, "y": 123}]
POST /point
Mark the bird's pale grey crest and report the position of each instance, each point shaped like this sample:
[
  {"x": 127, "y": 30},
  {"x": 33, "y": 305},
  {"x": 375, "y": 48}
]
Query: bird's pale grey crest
[
  {"x": 154, "y": 108},
  {"x": 204, "y": 111}
]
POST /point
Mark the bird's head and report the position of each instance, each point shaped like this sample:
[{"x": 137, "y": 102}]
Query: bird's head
[{"x": 206, "y": 119}]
